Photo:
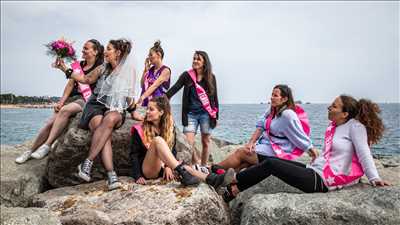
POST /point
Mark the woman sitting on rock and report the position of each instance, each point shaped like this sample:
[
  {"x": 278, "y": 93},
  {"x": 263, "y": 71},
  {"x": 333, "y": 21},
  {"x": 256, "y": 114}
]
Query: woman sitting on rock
[
  {"x": 69, "y": 105},
  {"x": 282, "y": 132},
  {"x": 355, "y": 125},
  {"x": 153, "y": 150},
  {"x": 106, "y": 108}
]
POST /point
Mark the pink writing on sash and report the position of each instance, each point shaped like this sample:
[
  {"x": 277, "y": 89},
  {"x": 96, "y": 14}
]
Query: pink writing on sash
[
  {"x": 332, "y": 179},
  {"x": 84, "y": 89},
  {"x": 203, "y": 97},
  {"x": 296, "y": 152}
]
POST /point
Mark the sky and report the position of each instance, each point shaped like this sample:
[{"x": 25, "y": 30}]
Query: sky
[{"x": 320, "y": 49}]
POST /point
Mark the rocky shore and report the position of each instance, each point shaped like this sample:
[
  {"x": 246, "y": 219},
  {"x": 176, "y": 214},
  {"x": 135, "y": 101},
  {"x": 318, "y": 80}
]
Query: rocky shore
[{"x": 47, "y": 191}]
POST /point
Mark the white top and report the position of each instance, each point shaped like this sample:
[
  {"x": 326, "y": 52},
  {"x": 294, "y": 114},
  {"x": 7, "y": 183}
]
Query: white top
[
  {"x": 349, "y": 137},
  {"x": 288, "y": 133}
]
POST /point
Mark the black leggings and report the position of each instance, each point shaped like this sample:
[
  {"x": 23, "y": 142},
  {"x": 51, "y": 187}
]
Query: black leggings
[{"x": 293, "y": 173}]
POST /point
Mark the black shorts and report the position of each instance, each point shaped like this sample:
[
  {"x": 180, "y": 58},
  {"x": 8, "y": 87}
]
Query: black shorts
[{"x": 94, "y": 108}]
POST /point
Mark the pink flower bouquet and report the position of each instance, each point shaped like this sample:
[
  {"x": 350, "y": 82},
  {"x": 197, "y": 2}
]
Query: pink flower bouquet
[{"x": 61, "y": 49}]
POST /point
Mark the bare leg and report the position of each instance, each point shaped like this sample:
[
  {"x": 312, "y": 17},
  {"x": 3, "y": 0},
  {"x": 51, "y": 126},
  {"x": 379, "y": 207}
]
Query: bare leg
[
  {"x": 95, "y": 122},
  {"x": 43, "y": 133},
  {"x": 61, "y": 121},
  {"x": 190, "y": 138},
  {"x": 239, "y": 159},
  {"x": 159, "y": 152},
  {"x": 107, "y": 156},
  {"x": 103, "y": 133},
  {"x": 205, "y": 141}
]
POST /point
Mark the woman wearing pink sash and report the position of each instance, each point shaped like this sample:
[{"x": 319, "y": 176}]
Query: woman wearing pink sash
[
  {"x": 355, "y": 125},
  {"x": 156, "y": 76},
  {"x": 199, "y": 102},
  {"x": 69, "y": 105},
  {"x": 282, "y": 132}
]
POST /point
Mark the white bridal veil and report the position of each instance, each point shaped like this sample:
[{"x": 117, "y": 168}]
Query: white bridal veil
[{"x": 117, "y": 90}]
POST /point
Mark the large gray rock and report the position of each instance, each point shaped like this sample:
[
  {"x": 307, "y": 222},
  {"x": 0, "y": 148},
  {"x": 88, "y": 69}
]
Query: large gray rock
[
  {"x": 20, "y": 182},
  {"x": 155, "y": 203},
  {"x": 73, "y": 147},
  {"x": 355, "y": 206},
  {"x": 28, "y": 216}
]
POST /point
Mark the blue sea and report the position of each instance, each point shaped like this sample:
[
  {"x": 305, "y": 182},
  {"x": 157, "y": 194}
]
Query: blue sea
[{"x": 236, "y": 124}]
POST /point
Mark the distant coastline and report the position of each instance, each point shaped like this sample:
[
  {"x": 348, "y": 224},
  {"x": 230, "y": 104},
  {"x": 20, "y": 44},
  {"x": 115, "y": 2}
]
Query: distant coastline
[{"x": 26, "y": 106}]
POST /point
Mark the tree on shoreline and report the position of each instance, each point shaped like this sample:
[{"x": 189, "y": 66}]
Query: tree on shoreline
[{"x": 10, "y": 98}]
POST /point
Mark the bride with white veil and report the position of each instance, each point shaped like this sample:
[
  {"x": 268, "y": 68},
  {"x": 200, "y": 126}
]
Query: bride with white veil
[{"x": 105, "y": 109}]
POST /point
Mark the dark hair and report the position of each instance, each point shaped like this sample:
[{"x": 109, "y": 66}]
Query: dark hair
[
  {"x": 286, "y": 92},
  {"x": 122, "y": 45},
  {"x": 367, "y": 112},
  {"x": 207, "y": 72},
  {"x": 157, "y": 48},
  {"x": 100, "y": 51}
]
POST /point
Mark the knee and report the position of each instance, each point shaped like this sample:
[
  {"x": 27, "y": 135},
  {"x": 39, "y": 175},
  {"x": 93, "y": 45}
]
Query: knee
[
  {"x": 111, "y": 121},
  {"x": 205, "y": 142},
  {"x": 157, "y": 141},
  {"x": 64, "y": 113}
]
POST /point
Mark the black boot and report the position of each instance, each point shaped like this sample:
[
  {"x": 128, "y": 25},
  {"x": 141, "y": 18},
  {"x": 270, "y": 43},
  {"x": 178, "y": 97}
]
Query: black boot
[
  {"x": 187, "y": 179},
  {"x": 220, "y": 180}
]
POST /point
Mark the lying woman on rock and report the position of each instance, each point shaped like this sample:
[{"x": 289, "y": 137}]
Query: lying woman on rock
[
  {"x": 105, "y": 110},
  {"x": 71, "y": 103},
  {"x": 282, "y": 132},
  {"x": 152, "y": 147},
  {"x": 355, "y": 125}
]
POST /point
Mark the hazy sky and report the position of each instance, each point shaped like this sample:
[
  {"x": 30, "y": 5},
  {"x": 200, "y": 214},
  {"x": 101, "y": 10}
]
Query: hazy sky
[{"x": 320, "y": 49}]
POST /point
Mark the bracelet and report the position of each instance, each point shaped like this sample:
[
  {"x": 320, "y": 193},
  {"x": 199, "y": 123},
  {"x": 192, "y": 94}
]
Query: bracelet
[{"x": 68, "y": 73}]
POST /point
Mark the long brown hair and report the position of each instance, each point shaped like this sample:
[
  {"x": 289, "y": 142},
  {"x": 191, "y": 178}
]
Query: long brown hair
[
  {"x": 207, "y": 72},
  {"x": 367, "y": 112},
  {"x": 166, "y": 123},
  {"x": 286, "y": 92}
]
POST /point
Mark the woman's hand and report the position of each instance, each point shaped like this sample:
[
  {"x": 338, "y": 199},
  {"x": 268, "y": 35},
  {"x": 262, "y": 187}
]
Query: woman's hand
[
  {"x": 168, "y": 174},
  {"x": 59, "y": 64},
  {"x": 381, "y": 183},
  {"x": 146, "y": 64},
  {"x": 250, "y": 148},
  {"x": 58, "y": 106},
  {"x": 313, "y": 153},
  {"x": 141, "y": 180}
]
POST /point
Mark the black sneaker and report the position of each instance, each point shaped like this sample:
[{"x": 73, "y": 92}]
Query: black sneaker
[
  {"x": 84, "y": 169},
  {"x": 220, "y": 180},
  {"x": 113, "y": 182},
  {"x": 187, "y": 179},
  {"x": 227, "y": 194}
]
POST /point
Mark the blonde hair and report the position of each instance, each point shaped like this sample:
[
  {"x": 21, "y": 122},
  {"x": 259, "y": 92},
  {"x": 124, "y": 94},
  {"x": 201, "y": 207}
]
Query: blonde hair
[{"x": 166, "y": 123}]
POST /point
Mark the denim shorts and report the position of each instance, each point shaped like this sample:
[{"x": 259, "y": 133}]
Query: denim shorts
[{"x": 196, "y": 119}]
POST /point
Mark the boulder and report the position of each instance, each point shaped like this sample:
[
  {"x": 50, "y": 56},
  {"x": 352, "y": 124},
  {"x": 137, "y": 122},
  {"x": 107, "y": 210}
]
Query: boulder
[
  {"x": 73, "y": 147},
  {"x": 348, "y": 206},
  {"x": 20, "y": 182},
  {"x": 155, "y": 203},
  {"x": 25, "y": 216}
]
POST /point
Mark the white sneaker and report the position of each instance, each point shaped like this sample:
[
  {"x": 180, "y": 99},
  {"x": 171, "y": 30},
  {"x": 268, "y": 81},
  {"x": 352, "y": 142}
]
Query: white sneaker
[
  {"x": 24, "y": 157},
  {"x": 201, "y": 168},
  {"x": 41, "y": 152}
]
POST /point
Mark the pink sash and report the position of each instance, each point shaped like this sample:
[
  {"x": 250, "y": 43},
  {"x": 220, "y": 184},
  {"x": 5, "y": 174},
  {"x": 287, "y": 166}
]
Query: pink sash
[
  {"x": 296, "y": 152},
  {"x": 332, "y": 179},
  {"x": 84, "y": 89},
  {"x": 139, "y": 129},
  {"x": 203, "y": 97}
]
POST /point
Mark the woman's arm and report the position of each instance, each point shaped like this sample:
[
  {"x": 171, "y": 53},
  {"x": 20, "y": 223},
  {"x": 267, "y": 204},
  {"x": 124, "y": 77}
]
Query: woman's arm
[
  {"x": 177, "y": 86},
  {"x": 254, "y": 137},
  {"x": 165, "y": 75},
  {"x": 294, "y": 131},
  {"x": 89, "y": 78},
  {"x": 359, "y": 138}
]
